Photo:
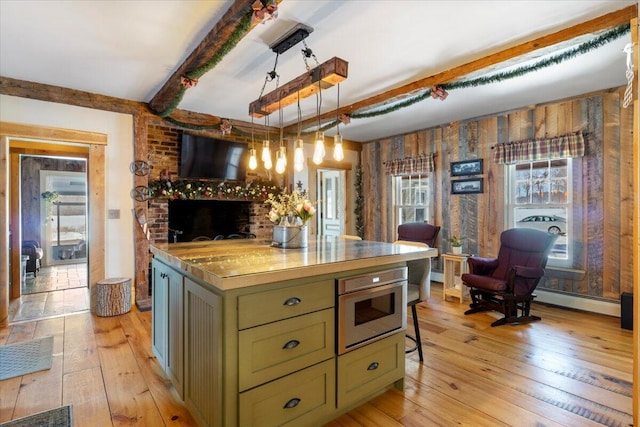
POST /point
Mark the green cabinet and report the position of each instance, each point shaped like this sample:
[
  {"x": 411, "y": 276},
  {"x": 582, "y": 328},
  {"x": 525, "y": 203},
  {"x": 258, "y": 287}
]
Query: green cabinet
[
  {"x": 159, "y": 315},
  {"x": 202, "y": 346},
  {"x": 167, "y": 328}
]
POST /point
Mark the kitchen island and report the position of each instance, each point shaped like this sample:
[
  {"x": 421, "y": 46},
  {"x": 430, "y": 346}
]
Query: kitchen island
[{"x": 248, "y": 332}]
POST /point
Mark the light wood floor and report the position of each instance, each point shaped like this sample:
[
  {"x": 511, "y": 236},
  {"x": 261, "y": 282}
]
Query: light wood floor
[{"x": 570, "y": 369}]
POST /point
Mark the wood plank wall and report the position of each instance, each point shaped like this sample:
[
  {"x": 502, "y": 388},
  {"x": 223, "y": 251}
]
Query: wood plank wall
[{"x": 602, "y": 186}]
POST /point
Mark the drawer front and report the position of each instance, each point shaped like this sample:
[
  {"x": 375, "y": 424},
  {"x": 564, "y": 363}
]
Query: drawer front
[
  {"x": 277, "y": 349},
  {"x": 270, "y": 306},
  {"x": 300, "y": 399},
  {"x": 369, "y": 369}
]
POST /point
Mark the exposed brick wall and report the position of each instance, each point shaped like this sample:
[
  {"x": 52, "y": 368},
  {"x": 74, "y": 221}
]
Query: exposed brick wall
[
  {"x": 164, "y": 144},
  {"x": 164, "y": 149}
]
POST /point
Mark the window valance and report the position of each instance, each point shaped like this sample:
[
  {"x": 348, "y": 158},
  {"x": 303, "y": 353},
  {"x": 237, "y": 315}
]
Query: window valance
[
  {"x": 419, "y": 165},
  {"x": 530, "y": 150}
]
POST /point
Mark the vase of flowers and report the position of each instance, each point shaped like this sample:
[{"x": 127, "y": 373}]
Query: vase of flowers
[
  {"x": 456, "y": 244},
  {"x": 290, "y": 213}
]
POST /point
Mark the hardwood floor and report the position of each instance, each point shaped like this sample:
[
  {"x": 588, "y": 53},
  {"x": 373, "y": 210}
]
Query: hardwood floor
[{"x": 570, "y": 369}]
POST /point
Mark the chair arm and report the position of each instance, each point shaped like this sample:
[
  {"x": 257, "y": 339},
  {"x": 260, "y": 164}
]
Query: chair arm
[
  {"x": 482, "y": 266},
  {"x": 29, "y": 249},
  {"x": 528, "y": 272},
  {"x": 523, "y": 280}
]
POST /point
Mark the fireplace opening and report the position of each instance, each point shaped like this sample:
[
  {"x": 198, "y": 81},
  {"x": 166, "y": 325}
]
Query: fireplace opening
[{"x": 207, "y": 219}]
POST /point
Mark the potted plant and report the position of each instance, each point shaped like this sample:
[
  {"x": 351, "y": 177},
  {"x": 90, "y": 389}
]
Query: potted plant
[
  {"x": 456, "y": 244},
  {"x": 290, "y": 213}
]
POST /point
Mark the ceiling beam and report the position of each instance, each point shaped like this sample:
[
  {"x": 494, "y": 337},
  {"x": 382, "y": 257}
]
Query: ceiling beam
[
  {"x": 61, "y": 95},
  {"x": 610, "y": 20},
  {"x": 205, "y": 51},
  {"x": 79, "y": 98}
]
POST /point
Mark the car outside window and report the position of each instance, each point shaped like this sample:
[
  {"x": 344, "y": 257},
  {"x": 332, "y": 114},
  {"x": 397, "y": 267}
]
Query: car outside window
[{"x": 539, "y": 198}]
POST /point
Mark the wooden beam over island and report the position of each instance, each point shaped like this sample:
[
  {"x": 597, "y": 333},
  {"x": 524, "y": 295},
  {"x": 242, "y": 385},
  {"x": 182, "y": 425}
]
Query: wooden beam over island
[{"x": 323, "y": 76}]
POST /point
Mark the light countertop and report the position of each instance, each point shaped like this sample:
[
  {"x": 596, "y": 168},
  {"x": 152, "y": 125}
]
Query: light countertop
[{"x": 231, "y": 264}]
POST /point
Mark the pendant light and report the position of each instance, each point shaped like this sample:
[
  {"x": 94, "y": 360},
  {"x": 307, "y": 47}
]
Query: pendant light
[
  {"x": 338, "y": 153},
  {"x": 298, "y": 155},
  {"x": 319, "y": 152},
  {"x": 266, "y": 151},
  {"x": 253, "y": 161},
  {"x": 281, "y": 154}
]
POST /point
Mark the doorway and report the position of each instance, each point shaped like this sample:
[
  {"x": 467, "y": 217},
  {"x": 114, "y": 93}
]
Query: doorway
[
  {"x": 332, "y": 202},
  {"x": 53, "y": 216},
  {"x": 49, "y": 208}
]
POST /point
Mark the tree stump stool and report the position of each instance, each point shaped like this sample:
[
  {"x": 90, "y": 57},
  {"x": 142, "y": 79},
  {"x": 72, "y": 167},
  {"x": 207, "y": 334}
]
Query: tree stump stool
[{"x": 113, "y": 297}]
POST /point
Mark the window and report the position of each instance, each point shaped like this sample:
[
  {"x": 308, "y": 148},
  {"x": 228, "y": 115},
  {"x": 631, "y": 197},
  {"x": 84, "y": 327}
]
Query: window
[
  {"x": 540, "y": 198},
  {"x": 411, "y": 198}
]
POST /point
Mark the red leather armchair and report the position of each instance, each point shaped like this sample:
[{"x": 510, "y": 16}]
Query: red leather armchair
[
  {"x": 506, "y": 283},
  {"x": 419, "y": 232}
]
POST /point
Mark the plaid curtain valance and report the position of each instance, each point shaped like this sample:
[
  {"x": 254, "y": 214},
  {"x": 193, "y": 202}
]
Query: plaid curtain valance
[
  {"x": 530, "y": 150},
  {"x": 419, "y": 165}
]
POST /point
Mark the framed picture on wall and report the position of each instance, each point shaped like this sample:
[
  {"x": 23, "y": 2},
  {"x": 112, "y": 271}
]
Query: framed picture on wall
[
  {"x": 466, "y": 167},
  {"x": 467, "y": 186}
]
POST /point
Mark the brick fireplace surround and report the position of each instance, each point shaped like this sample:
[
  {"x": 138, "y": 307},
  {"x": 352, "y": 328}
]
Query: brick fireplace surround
[{"x": 164, "y": 146}]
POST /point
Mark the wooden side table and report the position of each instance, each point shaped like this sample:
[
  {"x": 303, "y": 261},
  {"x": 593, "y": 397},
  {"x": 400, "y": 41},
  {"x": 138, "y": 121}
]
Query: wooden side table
[{"x": 454, "y": 267}]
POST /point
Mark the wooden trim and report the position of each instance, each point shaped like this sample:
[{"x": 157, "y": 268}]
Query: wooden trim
[
  {"x": 19, "y": 130},
  {"x": 95, "y": 177},
  {"x": 619, "y": 17},
  {"x": 4, "y": 230},
  {"x": 142, "y": 257},
  {"x": 636, "y": 225}
]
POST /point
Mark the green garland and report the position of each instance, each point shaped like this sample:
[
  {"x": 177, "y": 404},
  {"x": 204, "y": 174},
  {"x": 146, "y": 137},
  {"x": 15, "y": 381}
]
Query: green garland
[
  {"x": 244, "y": 26},
  {"x": 597, "y": 42},
  {"x": 485, "y": 80},
  {"x": 214, "y": 190},
  {"x": 359, "y": 202}
]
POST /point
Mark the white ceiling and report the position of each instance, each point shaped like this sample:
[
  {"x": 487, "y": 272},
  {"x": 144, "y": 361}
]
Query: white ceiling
[{"x": 128, "y": 49}]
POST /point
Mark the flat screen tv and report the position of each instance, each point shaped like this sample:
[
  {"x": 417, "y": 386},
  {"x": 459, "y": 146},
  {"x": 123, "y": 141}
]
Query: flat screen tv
[{"x": 210, "y": 158}]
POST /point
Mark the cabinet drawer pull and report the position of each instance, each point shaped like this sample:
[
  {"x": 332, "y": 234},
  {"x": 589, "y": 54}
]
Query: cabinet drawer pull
[
  {"x": 373, "y": 366},
  {"x": 292, "y": 301},
  {"x": 292, "y": 403},
  {"x": 291, "y": 344}
]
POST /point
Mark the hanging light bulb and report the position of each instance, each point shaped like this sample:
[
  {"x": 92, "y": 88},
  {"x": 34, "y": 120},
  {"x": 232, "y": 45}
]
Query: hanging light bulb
[
  {"x": 253, "y": 161},
  {"x": 281, "y": 153},
  {"x": 338, "y": 153},
  {"x": 266, "y": 154},
  {"x": 318, "y": 152},
  {"x": 281, "y": 160},
  {"x": 298, "y": 156}
]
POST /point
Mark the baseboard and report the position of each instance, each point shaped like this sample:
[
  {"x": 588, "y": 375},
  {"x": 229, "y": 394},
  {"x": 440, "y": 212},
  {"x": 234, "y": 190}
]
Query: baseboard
[{"x": 609, "y": 308}]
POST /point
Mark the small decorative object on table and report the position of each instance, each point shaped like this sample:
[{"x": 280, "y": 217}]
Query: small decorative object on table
[
  {"x": 456, "y": 244},
  {"x": 290, "y": 213}
]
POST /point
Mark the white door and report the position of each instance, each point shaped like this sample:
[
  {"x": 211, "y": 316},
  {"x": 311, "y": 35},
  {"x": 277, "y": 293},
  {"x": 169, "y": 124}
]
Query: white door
[{"x": 331, "y": 203}]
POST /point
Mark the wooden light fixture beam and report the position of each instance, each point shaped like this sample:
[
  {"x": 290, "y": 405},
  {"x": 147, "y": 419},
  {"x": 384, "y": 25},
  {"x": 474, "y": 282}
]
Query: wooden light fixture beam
[{"x": 328, "y": 74}]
